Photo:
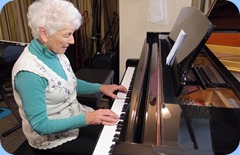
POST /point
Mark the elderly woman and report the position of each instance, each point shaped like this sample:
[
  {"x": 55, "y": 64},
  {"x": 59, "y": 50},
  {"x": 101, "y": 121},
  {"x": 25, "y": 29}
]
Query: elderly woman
[{"x": 45, "y": 87}]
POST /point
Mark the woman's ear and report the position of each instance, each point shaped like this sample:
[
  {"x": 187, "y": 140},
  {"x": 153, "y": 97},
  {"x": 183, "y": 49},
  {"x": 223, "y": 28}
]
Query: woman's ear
[{"x": 43, "y": 34}]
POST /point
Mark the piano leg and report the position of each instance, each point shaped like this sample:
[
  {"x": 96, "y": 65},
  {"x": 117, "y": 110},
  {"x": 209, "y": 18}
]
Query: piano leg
[{"x": 189, "y": 127}]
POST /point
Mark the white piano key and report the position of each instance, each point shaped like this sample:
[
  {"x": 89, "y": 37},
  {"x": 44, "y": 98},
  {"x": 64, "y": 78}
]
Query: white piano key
[{"x": 105, "y": 140}]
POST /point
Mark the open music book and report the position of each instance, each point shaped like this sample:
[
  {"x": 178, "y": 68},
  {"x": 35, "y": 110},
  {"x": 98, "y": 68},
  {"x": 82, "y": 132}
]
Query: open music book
[{"x": 177, "y": 45}]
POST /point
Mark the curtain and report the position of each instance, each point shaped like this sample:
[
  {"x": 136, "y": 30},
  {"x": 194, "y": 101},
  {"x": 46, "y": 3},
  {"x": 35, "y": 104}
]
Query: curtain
[
  {"x": 13, "y": 21},
  {"x": 203, "y": 5},
  {"x": 14, "y": 27}
]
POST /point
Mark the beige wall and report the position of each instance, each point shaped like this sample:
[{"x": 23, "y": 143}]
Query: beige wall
[{"x": 134, "y": 25}]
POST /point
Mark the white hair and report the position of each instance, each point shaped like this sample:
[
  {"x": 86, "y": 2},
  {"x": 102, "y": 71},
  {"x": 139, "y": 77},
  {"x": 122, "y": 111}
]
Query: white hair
[{"x": 52, "y": 15}]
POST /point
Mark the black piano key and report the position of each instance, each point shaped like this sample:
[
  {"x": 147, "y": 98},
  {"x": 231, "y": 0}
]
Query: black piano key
[
  {"x": 115, "y": 139},
  {"x": 124, "y": 108},
  {"x": 119, "y": 126},
  {"x": 112, "y": 146},
  {"x": 110, "y": 151},
  {"x": 128, "y": 97},
  {"x": 127, "y": 100},
  {"x": 129, "y": 93},
  {"x": 118, "y": 129},
  {"x": 122, "y": 117},
  {"x": 117, "y": 135},
  {"x": 120, "y": 123}
]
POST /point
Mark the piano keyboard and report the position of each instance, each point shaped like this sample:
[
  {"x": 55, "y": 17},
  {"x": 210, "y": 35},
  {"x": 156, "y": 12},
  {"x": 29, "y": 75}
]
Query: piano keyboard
[{"x": 106, "y": 139}]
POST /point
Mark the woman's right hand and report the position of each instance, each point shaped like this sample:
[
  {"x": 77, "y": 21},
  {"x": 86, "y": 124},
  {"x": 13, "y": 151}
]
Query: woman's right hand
[{"x": 101, "y": 116}]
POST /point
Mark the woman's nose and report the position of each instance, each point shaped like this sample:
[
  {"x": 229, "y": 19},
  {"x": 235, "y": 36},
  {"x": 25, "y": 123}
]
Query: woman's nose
[{"x": 71, "y": 39}]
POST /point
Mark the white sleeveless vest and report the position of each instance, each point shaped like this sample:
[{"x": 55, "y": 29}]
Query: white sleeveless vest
[{"x": 60, "y": 99}]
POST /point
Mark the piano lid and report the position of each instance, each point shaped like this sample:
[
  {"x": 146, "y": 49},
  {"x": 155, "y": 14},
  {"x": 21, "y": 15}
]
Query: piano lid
[
  {"x": 198, "y": 29},
  {"x": 225, "y": 15}
]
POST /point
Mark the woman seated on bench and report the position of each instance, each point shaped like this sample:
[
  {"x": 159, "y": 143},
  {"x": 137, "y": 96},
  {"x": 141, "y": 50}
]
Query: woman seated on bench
[{"x": 45, "y": 87}]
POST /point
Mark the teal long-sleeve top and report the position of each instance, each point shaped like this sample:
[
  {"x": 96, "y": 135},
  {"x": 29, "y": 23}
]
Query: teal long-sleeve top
[{"x": 31, "y": 88}]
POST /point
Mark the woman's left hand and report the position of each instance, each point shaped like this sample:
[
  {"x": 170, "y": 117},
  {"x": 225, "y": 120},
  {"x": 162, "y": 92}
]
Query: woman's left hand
[{"x": 110, "y": 89}]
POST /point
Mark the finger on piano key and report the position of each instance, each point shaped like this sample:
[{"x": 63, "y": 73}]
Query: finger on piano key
[
  {"x": 121, "y": 95},
  {"x": 107, "y": 137},
  {"x": 121, "y": 98}
]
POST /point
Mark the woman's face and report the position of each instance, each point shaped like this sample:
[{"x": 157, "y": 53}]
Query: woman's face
[{"x": 59, "y": 41}]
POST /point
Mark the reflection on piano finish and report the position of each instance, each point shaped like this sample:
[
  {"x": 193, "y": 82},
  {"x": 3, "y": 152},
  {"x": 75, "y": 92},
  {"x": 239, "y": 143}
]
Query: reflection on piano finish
[{"x": 190, "y": 108}]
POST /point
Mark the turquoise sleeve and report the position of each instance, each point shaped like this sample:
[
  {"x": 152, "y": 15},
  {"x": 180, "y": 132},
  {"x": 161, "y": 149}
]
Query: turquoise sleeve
[
  {"x": 31, "y": 89},
  {"x": 84, "y": 87}
]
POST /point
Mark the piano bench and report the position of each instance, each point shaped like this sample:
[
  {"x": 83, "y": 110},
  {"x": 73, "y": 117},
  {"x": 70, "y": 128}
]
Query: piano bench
[{"x": 102, "y": 76}]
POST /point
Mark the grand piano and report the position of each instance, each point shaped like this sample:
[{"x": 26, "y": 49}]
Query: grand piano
[{"x": 188, "y": 107}]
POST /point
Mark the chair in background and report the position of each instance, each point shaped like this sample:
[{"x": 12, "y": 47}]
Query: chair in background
[
  {"x": 102, "y": 76},
  {"x": 9, "y": 52}
]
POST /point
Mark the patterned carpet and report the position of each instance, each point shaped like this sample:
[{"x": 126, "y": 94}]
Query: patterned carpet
[
  {"x": 4, "y": 112},
  {"x": 11, "y": 142}
]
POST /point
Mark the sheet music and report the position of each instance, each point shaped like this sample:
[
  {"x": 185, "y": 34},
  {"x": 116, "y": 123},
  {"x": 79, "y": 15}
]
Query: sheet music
[{"x": 172, "y": 54}]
